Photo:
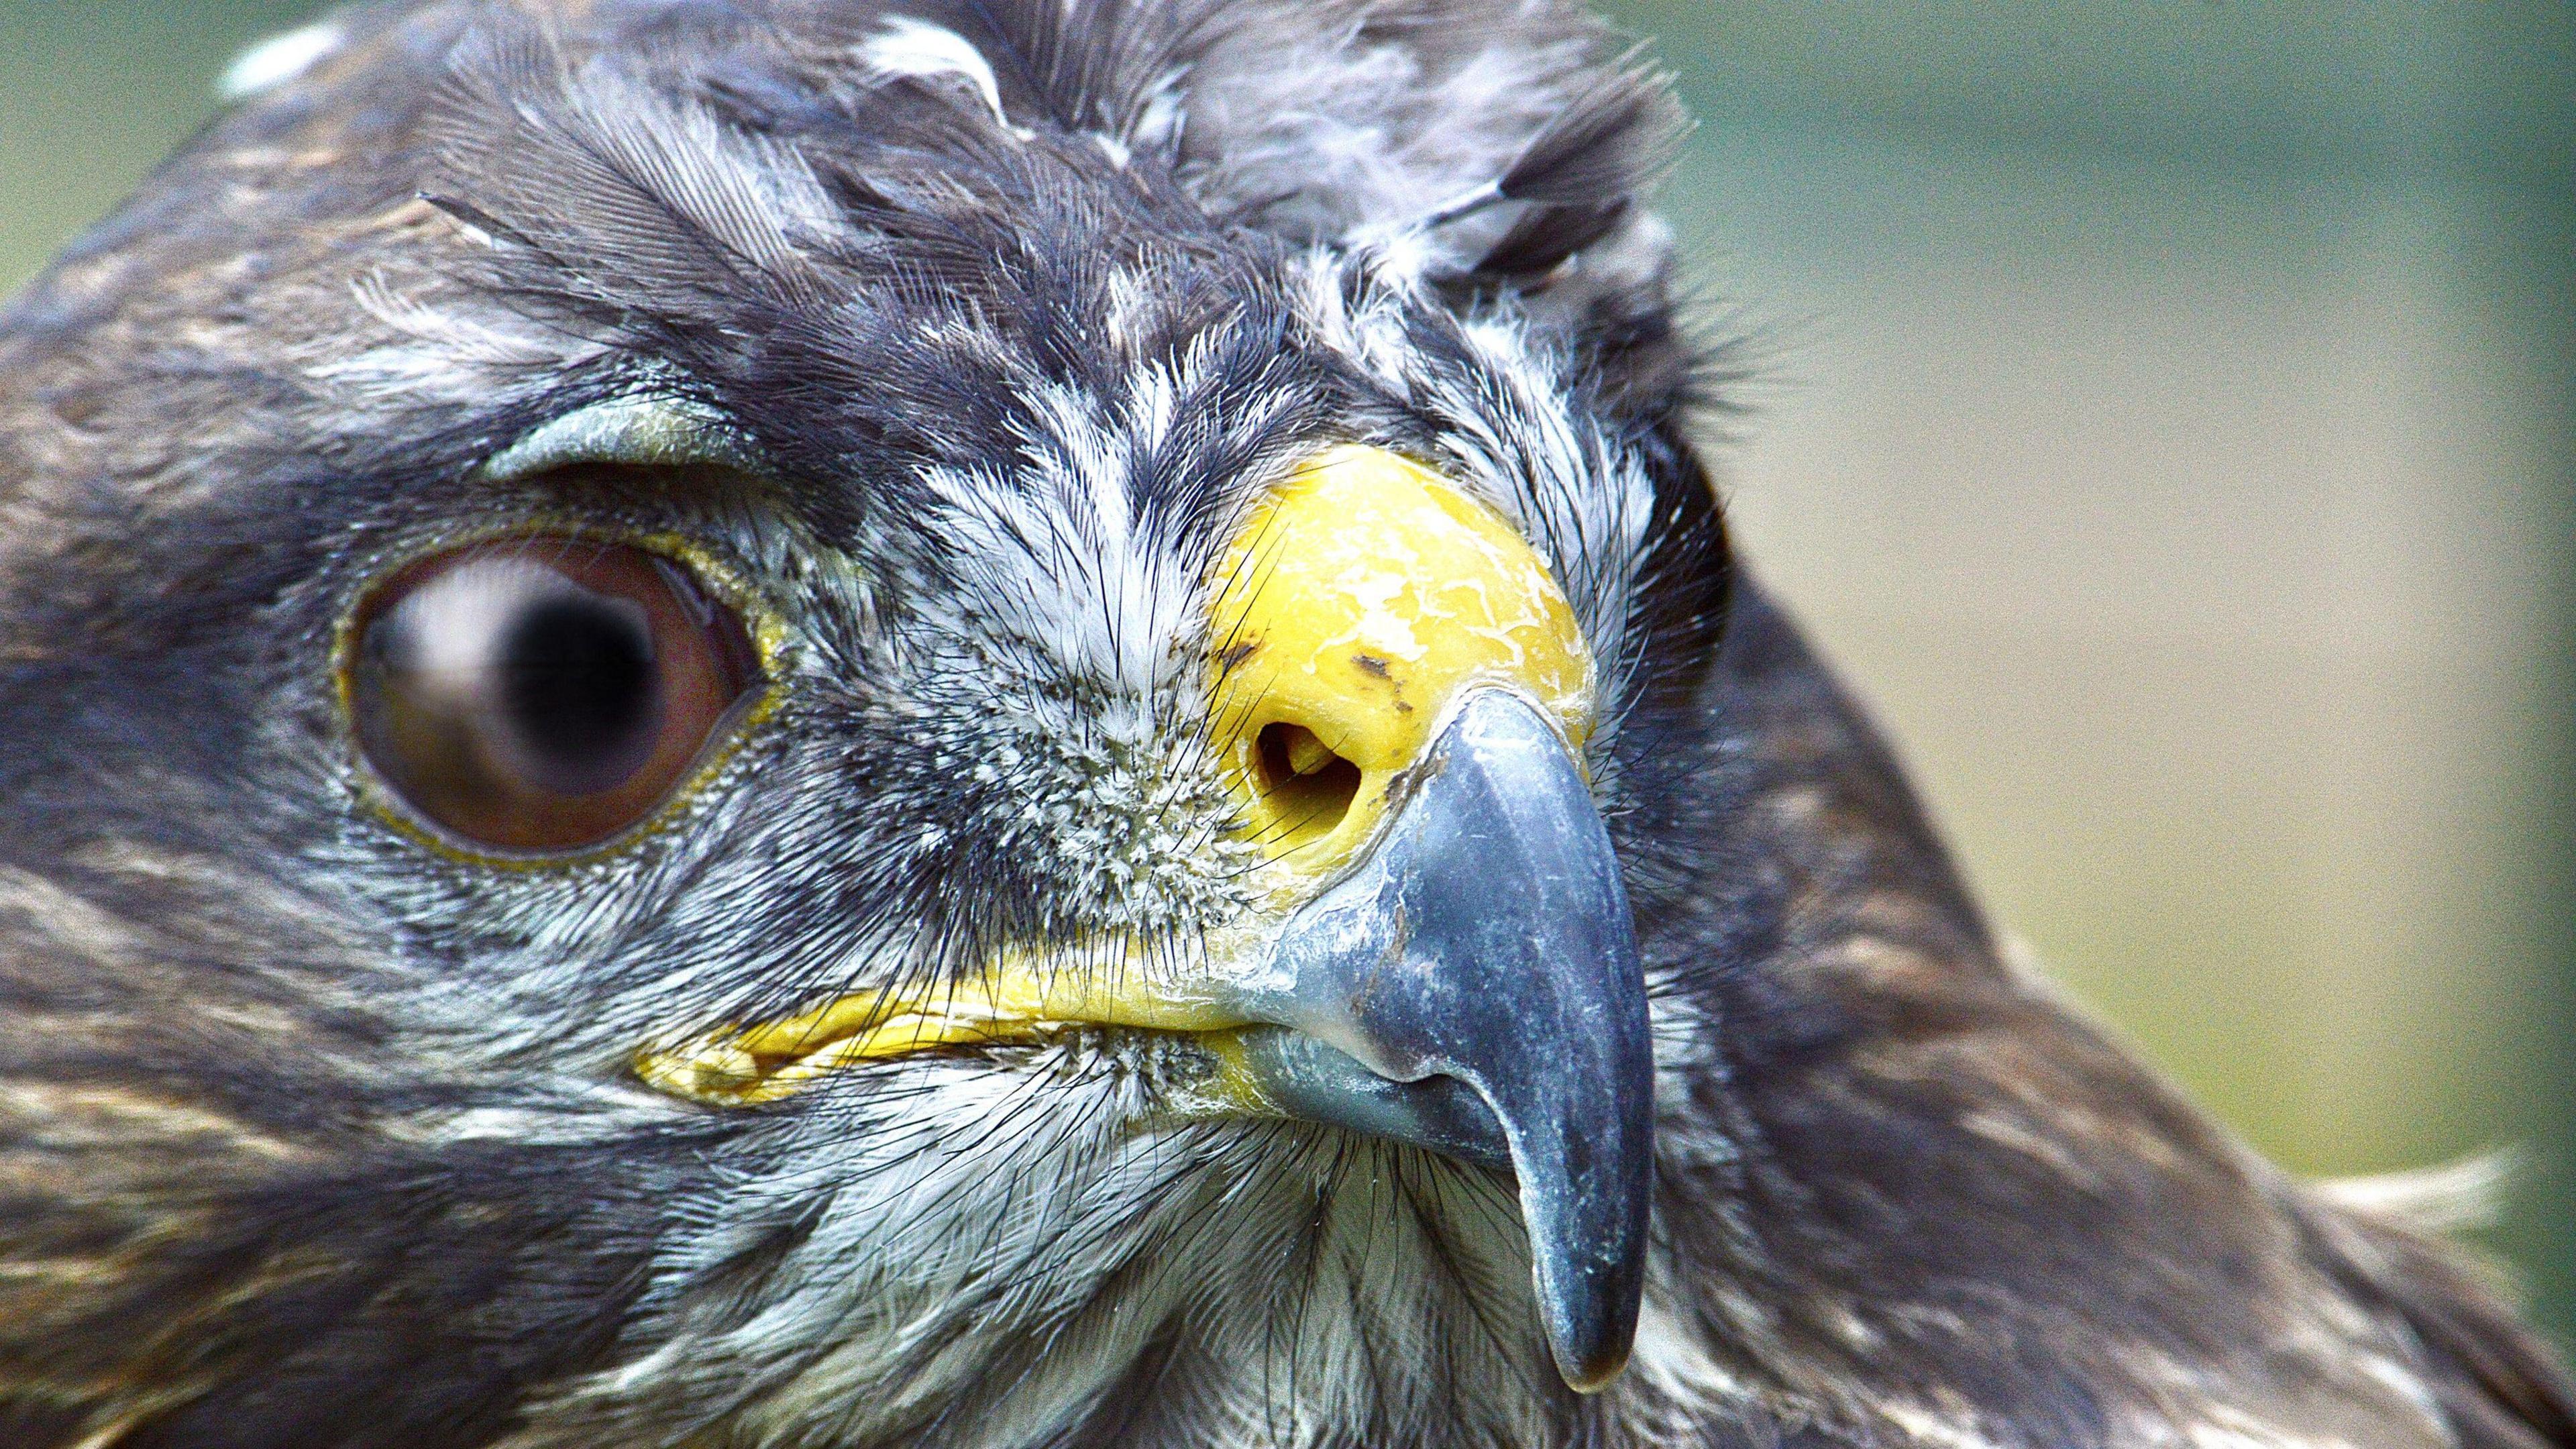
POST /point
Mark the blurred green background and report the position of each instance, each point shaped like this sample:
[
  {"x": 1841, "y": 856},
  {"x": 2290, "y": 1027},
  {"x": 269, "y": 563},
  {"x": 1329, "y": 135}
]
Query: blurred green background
[{"x": 2165, "y": 419}]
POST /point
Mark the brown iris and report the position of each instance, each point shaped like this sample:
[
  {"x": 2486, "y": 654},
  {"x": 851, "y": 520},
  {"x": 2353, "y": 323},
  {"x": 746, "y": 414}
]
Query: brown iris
[{"x": 541, "y": 694}]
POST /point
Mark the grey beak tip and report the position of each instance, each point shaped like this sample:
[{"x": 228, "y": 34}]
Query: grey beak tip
[
  {"x": 1486, "y": 942},
  {"x": 1596, "y": 1371}
]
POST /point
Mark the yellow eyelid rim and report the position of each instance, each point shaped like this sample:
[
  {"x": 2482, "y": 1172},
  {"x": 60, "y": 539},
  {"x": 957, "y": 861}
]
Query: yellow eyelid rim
[{"x": 770, "y": 642}]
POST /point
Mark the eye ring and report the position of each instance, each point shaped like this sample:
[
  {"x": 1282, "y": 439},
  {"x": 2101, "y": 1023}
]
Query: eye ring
[{"x": 539, "y": 696}]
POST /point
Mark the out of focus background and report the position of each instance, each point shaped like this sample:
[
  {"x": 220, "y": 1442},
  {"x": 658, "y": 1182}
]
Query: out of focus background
[{"x": 2166, "y": 415}]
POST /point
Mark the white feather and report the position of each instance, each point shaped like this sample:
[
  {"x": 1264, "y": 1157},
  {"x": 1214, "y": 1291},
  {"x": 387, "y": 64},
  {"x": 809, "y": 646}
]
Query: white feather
[
  {"x": 265, "y": 65},
  {"x": 916, "y": 49}
]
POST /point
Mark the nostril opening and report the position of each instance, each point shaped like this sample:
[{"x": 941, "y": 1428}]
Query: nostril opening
[{"x": 1308, "y": 787}]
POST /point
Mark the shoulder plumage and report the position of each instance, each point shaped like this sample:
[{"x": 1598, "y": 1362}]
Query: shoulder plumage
[{"x": 2498, "y": 1386}]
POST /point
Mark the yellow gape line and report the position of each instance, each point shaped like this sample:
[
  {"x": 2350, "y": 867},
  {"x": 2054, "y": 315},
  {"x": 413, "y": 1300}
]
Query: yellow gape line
[
  {"x": 1358, "y": 601},
  {"x": 1019, "y": 999},
  {"x": 1362, "y": 597}
]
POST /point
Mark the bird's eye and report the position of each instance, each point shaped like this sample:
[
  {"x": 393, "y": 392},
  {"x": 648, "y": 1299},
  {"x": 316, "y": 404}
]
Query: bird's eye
[{"x": 543, "y": 694}]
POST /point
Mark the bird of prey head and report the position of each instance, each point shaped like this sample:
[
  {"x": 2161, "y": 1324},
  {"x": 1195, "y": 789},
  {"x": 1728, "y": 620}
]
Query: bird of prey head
[{"x": 1016, "y": 723}]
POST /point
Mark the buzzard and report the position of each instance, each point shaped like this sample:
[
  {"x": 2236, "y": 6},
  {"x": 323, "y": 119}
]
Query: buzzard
[{"x": 1012, "y": 723}]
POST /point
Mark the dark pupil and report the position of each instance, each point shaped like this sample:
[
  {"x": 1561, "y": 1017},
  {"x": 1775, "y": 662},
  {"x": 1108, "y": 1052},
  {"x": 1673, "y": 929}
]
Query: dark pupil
[{"x": 579, "y": 692}]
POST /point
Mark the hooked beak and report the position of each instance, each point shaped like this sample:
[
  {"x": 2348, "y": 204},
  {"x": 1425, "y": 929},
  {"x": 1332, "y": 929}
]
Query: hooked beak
[{"x": 1485, "y": 944}]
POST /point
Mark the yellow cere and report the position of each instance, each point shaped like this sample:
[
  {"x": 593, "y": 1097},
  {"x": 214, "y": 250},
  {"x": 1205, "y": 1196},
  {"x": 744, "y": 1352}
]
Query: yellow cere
[{"x": 1360, "y": 598}]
